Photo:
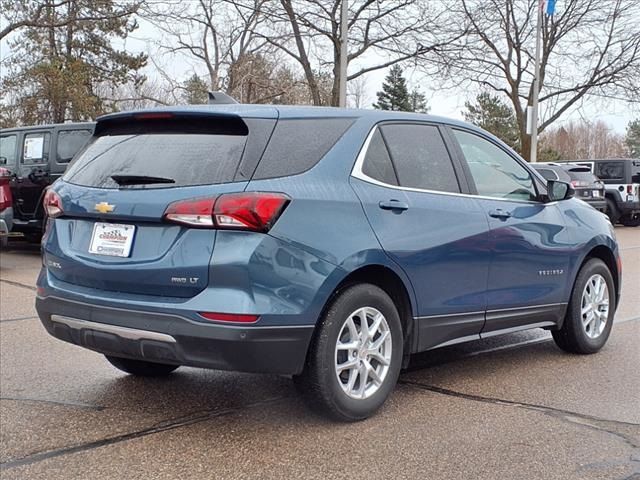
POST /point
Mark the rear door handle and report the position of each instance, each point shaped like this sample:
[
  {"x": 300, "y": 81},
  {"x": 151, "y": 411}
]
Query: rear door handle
[
  {"x": 499, "y": 213},
  {"x": 396, "y": 205}
]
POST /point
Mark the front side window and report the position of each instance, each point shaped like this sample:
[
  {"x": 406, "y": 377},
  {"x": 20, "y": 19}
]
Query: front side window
[
  {"x": 8, "y": 150},
  {"x": 420, "y": 157},
  {"x": 495, "y": 173},
  {"x": 69, "y": 142},
  {"x": 35, "y": 148}
]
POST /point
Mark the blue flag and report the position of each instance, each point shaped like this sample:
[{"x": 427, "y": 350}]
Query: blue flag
[{"x": 551, "y": 7}]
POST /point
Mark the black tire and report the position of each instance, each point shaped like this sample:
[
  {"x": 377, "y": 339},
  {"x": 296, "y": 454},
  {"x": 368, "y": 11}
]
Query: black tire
[
  {"x": 612, "y": 211},
  {"x": 319, "y": 383},
  {"x": 572, "y": 337},
  {"x": 141, "y": 368},
  {"x": 629, "y": 221}
]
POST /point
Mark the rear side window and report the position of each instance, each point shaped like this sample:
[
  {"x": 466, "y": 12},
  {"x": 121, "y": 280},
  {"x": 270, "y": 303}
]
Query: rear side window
[
  {"x": 186, "y": 158},
  {"x": 547, "y": 173},
  {"x": 69, "y": 142},
  {"x": 8, "y": 150},
  {"x": 35, "y": 148},
  {"x": 420, "y": 157},
  {"x": 297, "y": 145},
  {"x": 610, "y": 171},
  {"x": 377, "y": 163}
]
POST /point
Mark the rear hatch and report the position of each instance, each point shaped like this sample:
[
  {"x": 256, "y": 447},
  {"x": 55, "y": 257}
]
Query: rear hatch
[
  {"x": 112, "y": 235},
  {"x": 586, "y": 184}
]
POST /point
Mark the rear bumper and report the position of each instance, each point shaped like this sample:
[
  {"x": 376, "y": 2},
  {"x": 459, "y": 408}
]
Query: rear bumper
[
  {"x": 172, "y": 339},
  {"x": 629, "y": 208}
]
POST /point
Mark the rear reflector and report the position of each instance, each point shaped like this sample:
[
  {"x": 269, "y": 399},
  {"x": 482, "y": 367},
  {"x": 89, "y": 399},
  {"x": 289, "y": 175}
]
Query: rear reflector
[
  {"x": 229, "y": 317},
  {"x": 253, "y": 211},
  {"x": 52, "y": 204}
]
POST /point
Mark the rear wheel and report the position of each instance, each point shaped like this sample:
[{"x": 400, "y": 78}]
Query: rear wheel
[
  {"x": 612, "y": 211},
  {"x": 355, "y": 358},
  {"x": 140, "y": 367},
  {"x": 631, "y": 220},
  {"x": 590, "y": 314}
]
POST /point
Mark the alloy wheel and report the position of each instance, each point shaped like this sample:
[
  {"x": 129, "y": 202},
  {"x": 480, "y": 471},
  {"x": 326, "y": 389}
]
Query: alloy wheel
[
  {"x": 595, "y": 306},
  {"x": 363, "y": 353}
]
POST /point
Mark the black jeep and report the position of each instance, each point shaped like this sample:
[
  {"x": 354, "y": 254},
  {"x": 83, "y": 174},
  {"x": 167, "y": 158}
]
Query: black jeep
[{"x": 36, "y": 156}]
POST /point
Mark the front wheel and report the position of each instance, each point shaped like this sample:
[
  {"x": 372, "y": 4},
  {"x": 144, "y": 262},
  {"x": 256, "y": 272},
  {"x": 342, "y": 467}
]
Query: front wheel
[
  {"x": 140, "y": 367},
  {"x": 355, "y": 358},
  {"x": 589, "y": 318}
]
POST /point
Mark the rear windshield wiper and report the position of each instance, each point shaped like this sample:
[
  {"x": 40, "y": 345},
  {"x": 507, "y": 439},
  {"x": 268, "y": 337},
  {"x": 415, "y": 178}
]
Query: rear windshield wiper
[{"x": 139, "y": 179}]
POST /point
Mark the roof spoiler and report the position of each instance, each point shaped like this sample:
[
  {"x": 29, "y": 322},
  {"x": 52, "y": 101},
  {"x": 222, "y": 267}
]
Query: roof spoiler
[{"x": 221, "y": 98}]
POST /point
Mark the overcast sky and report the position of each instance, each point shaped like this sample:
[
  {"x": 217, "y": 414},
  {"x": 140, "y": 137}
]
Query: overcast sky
[{"x": 449, "y": 103}]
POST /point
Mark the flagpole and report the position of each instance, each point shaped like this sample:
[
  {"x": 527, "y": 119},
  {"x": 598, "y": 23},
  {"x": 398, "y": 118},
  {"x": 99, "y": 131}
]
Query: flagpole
[
  {"x": 344, "y": 52},
  {"x": 536, "y": 88}
]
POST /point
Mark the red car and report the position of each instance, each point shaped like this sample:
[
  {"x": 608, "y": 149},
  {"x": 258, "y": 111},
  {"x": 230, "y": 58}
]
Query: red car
[{"x": 6, "y": 206}]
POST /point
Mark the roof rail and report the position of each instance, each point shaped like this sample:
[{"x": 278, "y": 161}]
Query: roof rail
[{"x": 220, "y": 98}]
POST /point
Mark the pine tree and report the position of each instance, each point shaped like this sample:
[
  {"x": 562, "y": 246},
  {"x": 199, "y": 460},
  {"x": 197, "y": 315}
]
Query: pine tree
[
  {"x": 494, "y": 115},
  {"x": 418, "y": 101},
  {"x": 196, "y": 91},
  {"x": 395, "y": 94},
  {"x": 633, "y": 138},
  {"x": 67, "y": 68}
]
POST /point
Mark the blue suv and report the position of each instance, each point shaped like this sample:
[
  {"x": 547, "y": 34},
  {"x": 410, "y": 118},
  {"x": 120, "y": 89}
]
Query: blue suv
[{"x": 321, "y": 243}]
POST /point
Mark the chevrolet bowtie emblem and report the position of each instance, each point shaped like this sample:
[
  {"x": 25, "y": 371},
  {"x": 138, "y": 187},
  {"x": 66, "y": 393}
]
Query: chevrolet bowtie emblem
[{"x": 104, "y": 207}]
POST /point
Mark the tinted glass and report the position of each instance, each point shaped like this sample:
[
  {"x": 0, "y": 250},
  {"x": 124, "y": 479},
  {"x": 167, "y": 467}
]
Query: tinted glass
[
  {"x": 188, "y": 159},
  {"x": 377, "y": 163},
  {"x": 8, "y": 150},
  {"x": 583, "y": 176},
  {"x": 610, "y": 170},
  {"x": 494, "y": 171},
  {"x": 547, "y": 173},
  {"x": 420, "y": 157},
  {"x": 69, "y": 142},
  {"x": 35, "y": 148},
  {"x": 297, "y": 145}
]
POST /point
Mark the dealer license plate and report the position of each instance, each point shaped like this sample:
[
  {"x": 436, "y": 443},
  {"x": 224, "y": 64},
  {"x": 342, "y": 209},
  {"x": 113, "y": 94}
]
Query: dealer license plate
[{"x": 112, "y": 239}]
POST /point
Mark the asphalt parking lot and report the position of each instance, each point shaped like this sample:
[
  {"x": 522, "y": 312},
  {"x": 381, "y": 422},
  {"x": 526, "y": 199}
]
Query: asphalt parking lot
[{"x": 510, "y": 407}]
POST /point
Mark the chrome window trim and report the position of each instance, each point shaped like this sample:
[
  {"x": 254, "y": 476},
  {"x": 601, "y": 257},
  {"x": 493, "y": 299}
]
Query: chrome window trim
[{"x": 357, "y": 172}]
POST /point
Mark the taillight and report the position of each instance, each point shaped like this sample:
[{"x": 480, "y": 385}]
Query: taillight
[
  {"x": 579, "y": 183},
  {"x": 249, "y": 211},
  {"x": 229, "y": 317},
  {"x": 630, "y": 189},
  {"x": 254, "y": 211},
  {"x": 195, "y": 213},
  {"x": 52, "y": 204}
]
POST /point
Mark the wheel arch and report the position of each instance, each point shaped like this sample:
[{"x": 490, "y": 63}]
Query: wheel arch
[
  {"x": 395, "y": 286},
  {"x": 606, "y": 254}
]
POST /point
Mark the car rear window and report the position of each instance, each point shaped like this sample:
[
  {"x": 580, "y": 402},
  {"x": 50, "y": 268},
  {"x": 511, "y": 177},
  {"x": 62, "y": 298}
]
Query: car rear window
[
  {"x": 188, "y": 156},
  {"x": 297, "y": 145},
  {"x": 583, "y": 176}
]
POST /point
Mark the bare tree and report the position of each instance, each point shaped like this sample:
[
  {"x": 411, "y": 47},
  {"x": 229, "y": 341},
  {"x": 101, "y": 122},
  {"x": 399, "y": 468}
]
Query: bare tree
[
  {"x": 381, "y": 34},
  {"x": 582, "y": 140},
  {"x": 215, "y": 33},
  {"x": 589, "y": 48}
]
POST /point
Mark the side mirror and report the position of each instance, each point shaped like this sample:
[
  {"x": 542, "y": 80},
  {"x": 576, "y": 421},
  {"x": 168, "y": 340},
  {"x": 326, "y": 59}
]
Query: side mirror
[{"x": 557, "y": 190}]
